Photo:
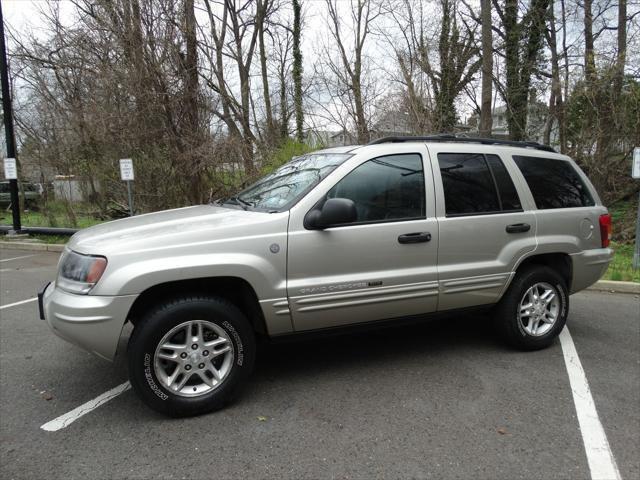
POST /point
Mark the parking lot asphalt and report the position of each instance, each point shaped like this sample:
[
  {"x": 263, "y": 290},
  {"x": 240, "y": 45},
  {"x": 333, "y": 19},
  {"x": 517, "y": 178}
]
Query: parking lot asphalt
[{"x": 441, "y": 399}]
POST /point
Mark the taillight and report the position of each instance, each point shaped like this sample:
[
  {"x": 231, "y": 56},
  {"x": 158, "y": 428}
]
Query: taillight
[{"x": 605, "y": 230}]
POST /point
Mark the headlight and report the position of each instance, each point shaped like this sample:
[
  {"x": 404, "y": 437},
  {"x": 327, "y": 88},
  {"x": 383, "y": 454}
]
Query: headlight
[{"x": 79, "y": 273}]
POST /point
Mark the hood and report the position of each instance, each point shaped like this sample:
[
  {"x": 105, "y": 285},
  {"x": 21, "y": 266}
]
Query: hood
[{"x": 169, "y": 229}]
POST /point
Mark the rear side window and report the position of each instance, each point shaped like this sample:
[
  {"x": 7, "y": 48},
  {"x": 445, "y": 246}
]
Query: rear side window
[
  {"x": 387, "y": 188},
  {"x": 476, "y": 184},
  {"x": 554, "y": 183},
  {"x": 509, "y": 199}
]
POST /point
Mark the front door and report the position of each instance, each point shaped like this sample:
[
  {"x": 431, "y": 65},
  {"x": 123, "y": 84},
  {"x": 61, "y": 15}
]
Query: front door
[{"x": 383, "y": 265}]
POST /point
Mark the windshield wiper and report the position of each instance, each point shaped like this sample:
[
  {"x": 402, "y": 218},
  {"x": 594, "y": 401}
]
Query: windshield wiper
[{"x": 239, "y": 201}]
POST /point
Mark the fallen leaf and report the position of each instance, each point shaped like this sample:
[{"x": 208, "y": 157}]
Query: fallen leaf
[
  {"x": 47, "y": 396},
  {"x": 261, "y": 418},
  {"x": 502, "y": 431}
]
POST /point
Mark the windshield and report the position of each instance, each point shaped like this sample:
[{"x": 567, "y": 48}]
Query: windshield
[{"x": 284, "y": 187}]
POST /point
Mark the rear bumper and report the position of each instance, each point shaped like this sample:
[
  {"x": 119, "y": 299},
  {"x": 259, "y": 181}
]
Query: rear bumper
[
  {"x": 588, "y": 267},
  {"x": 94, "y": 323}
]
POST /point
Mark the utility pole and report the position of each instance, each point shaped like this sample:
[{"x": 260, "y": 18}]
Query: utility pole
[{"x": 8, "y": 127}]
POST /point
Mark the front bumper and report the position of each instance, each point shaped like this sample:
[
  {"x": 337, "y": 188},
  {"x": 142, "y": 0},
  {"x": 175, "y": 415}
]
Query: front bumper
[{"x": 94, "y": 323}]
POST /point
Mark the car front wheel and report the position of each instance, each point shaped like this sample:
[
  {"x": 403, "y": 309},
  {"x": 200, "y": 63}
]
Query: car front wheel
[{"x": 191, "y": 355}]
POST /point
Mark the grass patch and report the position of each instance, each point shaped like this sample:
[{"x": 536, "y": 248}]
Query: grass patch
[
  {"x": 621, "y": 268},
  {"x": 50, "y": 239},
  {"x": 54, "y": 214}
]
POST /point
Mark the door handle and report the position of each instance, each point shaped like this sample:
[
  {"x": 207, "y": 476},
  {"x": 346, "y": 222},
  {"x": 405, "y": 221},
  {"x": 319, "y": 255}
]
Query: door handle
[
  {"x": 518, "y": 228},
  {"x": 417, "y": 237}
]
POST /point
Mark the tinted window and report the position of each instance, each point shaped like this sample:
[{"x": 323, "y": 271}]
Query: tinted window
[
  {"x": 468, "y": 184},
  {"x": 509, "y": 199},
  {"x": 385, "y": 188},
  {"x": 553, "y": 183}
]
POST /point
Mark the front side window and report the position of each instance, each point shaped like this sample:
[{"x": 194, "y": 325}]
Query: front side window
[
  {"x": 554, "y": 183},
  {"x": 476, "y": 184},
  {"x": 289, "y": 183},
  {"x": 389, "y": 188}
]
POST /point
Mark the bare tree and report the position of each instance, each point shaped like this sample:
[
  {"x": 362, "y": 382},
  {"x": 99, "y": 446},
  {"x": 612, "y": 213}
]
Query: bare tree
[
  {"x": 234, "y": 29},
  {"x": 458, "y": 61},
  {"x": 523, "y": 40},
  {"x": 349, "y": 68},
  {"x": 556, "y": 102},
  {"x": 404, "y": 40},
  {"x": 448, "y": 69}
]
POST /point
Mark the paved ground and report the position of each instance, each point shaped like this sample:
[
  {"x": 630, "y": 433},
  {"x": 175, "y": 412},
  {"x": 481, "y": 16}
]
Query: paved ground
[{"x": 442, "y": 399}]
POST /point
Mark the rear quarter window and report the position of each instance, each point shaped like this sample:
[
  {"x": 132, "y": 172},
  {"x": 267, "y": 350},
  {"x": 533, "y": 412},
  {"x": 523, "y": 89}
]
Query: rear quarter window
[{"x": 554, "y": 183}]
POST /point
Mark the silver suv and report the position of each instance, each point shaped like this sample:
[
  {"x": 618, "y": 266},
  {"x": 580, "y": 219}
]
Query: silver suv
[{"x": 396, "y": 229}]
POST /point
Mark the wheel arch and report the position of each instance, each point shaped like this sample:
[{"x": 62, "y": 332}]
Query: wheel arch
[
  {"x": 234, "y": 289},
  {"x": 559, "y": 261}
]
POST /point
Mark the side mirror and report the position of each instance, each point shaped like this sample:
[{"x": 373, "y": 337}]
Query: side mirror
[{"x": 335, "y": 211}]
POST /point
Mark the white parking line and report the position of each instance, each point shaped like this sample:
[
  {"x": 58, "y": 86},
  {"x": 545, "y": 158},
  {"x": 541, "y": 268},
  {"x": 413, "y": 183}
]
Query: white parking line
[
  {"x": 18, "y": 258},
  {"x": 18, "y": 303},
  {"x": 67, "y": 419},
  {"x": 602, "y": 463}
]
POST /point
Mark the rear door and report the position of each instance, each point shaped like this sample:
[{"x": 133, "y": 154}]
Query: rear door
[
  {"x": 484, "y": 226},
  {"x": 381, "y": 266}
]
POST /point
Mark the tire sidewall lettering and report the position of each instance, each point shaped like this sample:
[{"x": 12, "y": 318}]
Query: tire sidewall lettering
[
  {"x": 238, "y": 342},
  {"x": 148, "y": 375}
]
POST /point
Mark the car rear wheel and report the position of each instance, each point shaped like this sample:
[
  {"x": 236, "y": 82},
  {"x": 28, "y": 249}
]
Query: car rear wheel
[
  {"x": 191, "y": 355},
  {"x": 533, "y": 311}
]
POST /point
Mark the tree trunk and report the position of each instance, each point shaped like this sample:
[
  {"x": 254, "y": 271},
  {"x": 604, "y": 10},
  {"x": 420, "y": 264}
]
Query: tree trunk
[
  {"x": 512, "y": 50},
  {"x": 525, "y": 36},
  {"x": 362, "y": 129},
  {"x": 556, "y": 103},
  {"x": 621, "y": 56},
  {"x": 297, "y": 71},
  {"x": 486, "y": 120},
  {"x": 284, "y": 108},
  {"x": 265, "y": 84},
  {"x": 190, "y": 129},
  {"x": 589, "y": 53}
]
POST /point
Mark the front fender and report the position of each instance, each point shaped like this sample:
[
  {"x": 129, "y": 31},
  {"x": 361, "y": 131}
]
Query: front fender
[{"x": 130, "y": 277}]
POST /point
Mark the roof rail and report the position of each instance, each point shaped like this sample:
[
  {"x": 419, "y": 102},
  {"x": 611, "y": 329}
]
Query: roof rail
[{"x": 450, "y": 137}]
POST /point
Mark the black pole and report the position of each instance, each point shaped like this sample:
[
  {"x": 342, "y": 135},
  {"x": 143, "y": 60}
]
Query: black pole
[{"x": 8, "y": 125}]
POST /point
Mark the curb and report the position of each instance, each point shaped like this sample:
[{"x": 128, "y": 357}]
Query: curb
[
  {"x": 616, "y": 287},
  {"x": 599, "y": 286},
  {"x": 33, "y": 247}
]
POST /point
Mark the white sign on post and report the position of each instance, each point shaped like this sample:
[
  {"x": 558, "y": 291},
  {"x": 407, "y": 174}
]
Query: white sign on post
[
  {"x": 126, "y": 169},
  {"x": 10, "y": 169},
  {"x": 635, "y": 171}
]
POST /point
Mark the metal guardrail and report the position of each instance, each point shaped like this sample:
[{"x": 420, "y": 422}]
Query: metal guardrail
[{"x": 41, "y": 230}]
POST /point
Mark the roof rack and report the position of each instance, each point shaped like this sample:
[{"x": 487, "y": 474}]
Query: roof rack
[{"x": 449, "y": 137}]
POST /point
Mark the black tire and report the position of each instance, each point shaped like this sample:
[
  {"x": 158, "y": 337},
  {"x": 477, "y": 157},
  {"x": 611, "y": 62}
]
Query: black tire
[
  {"x": 152, "y": 328},
  {"x": 507, "y": 311}
]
